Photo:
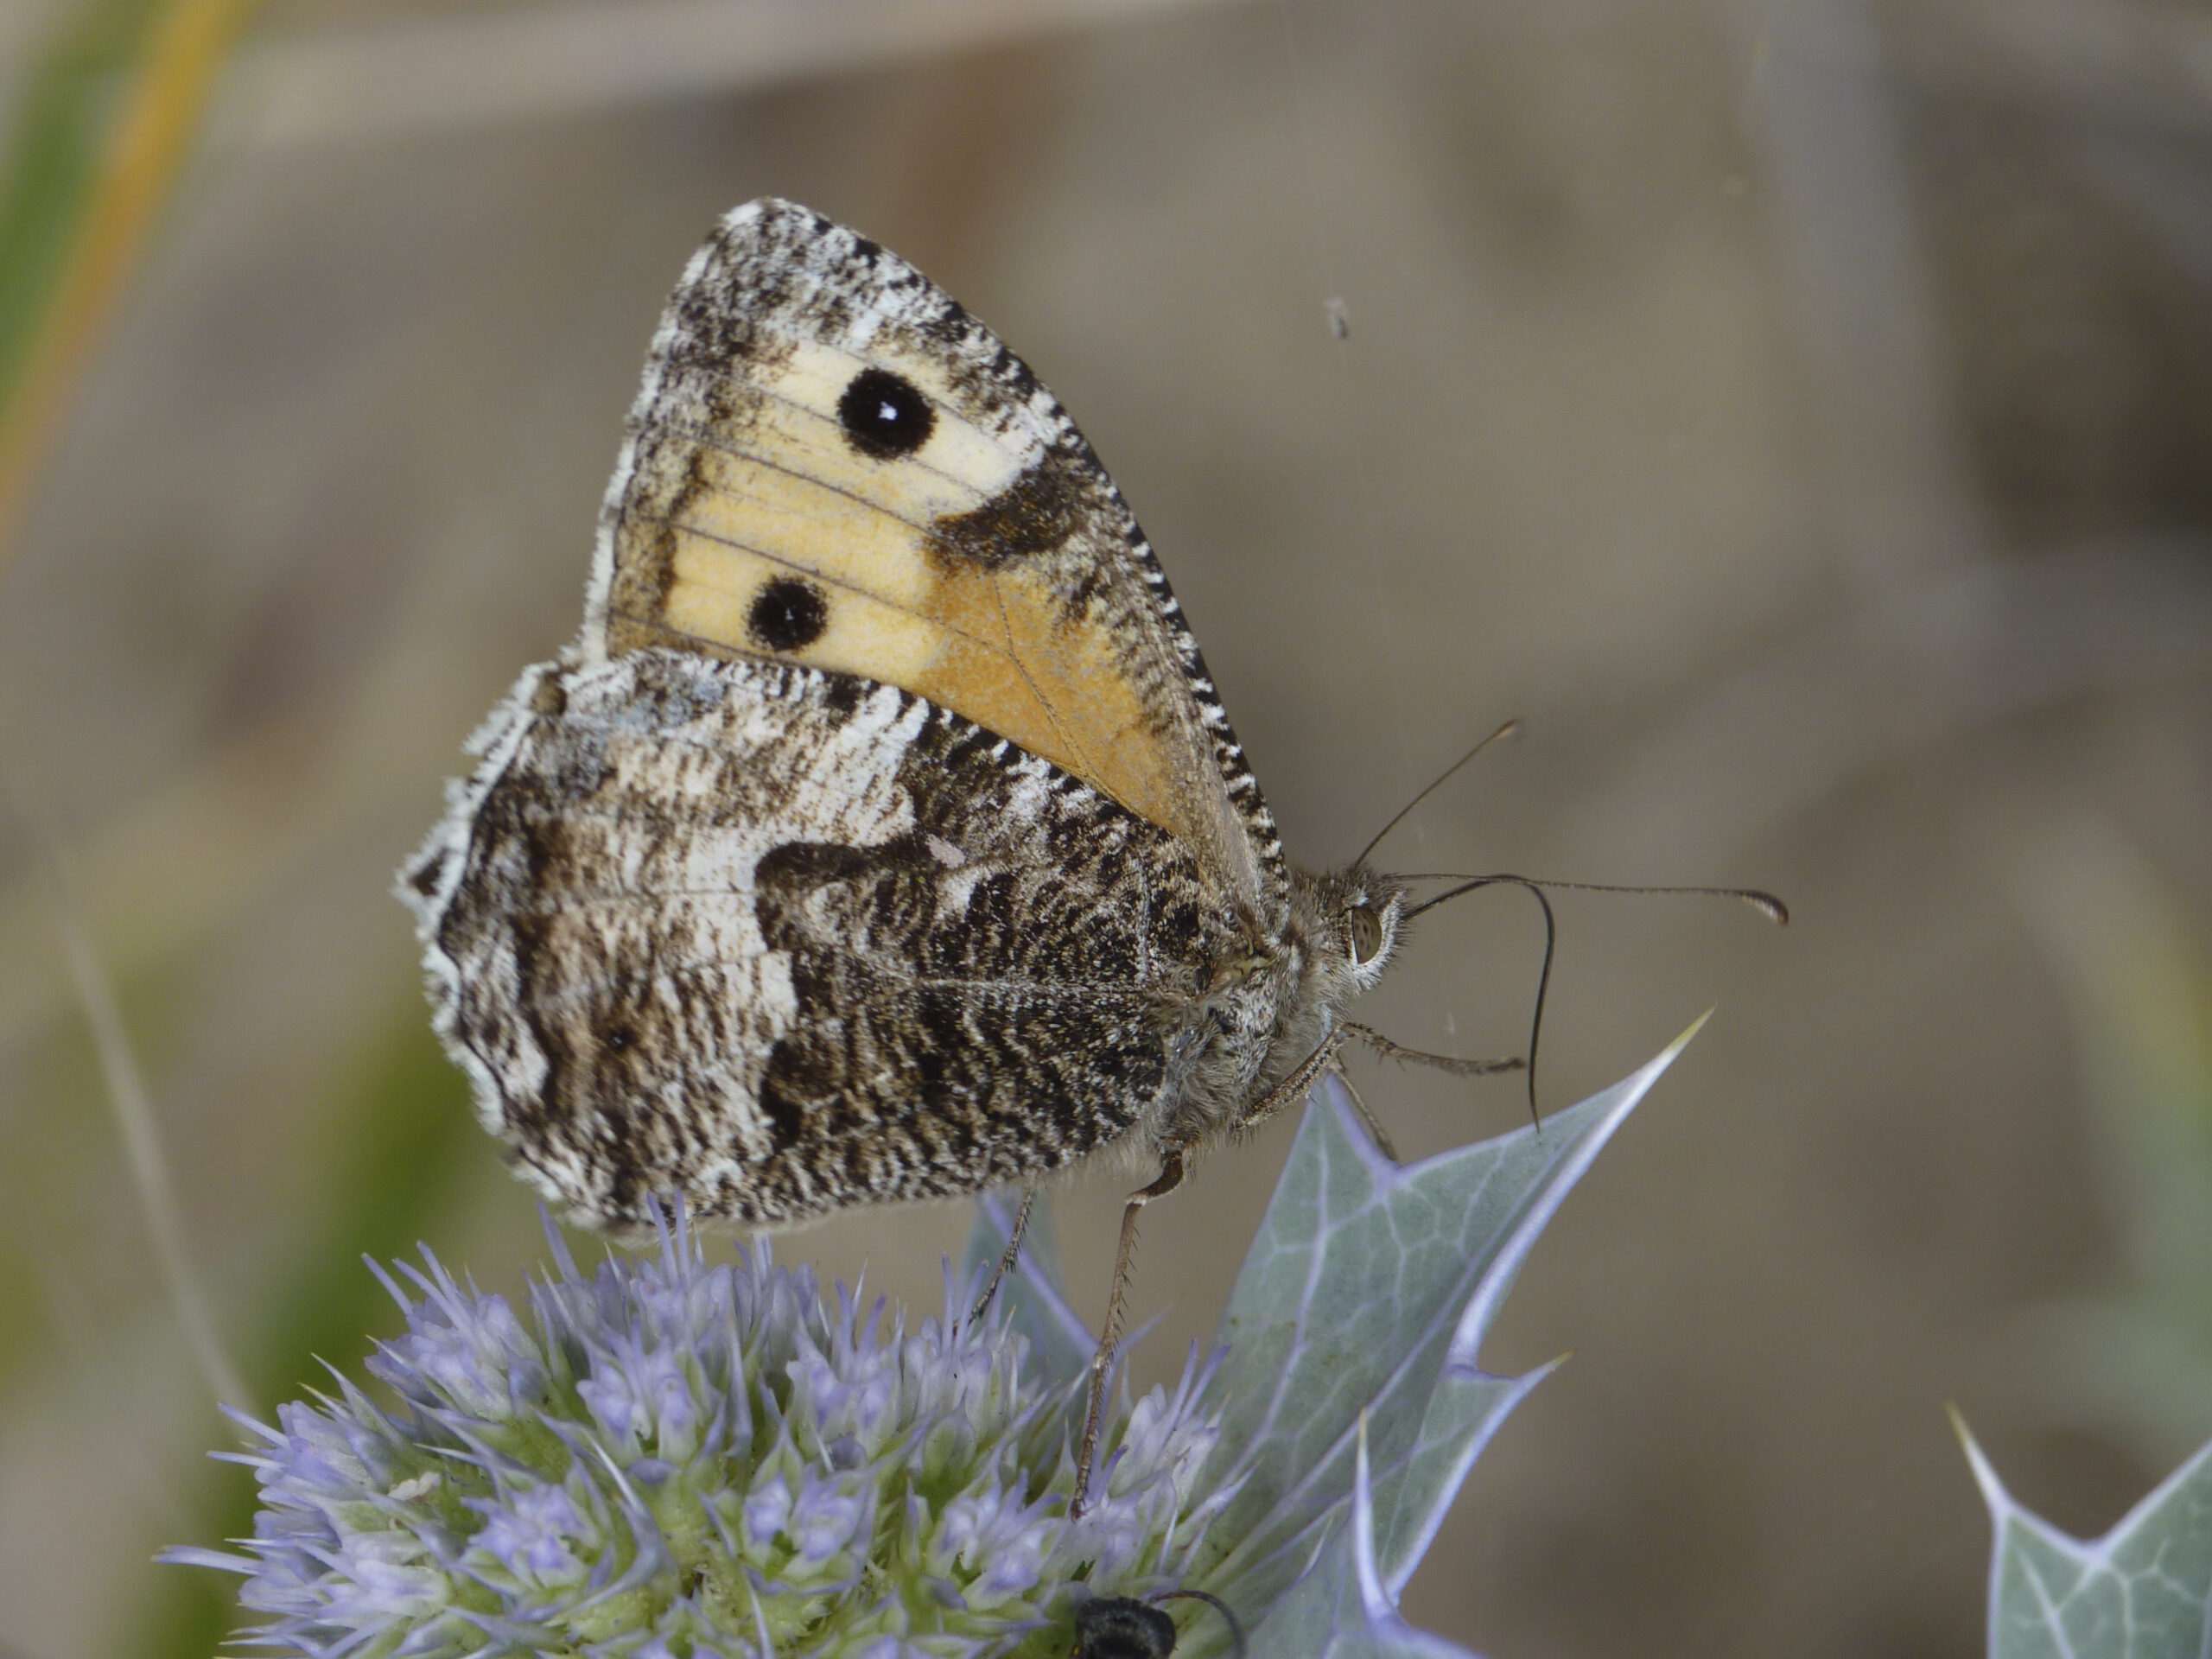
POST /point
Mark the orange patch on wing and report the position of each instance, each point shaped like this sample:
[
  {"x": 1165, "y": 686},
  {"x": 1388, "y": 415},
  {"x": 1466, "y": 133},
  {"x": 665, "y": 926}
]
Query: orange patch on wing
[
  {"x": 1014, "y": 665},
  {"x": 994, "y": 646}
]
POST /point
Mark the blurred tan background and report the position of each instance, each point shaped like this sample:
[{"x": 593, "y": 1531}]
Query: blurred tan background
[{"x": 1800, "y": 413}]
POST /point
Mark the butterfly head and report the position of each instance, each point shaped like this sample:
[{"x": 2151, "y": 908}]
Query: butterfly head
[
  {"x": 1343, "y": 931},
  {"x": 1356, "y": 917}
]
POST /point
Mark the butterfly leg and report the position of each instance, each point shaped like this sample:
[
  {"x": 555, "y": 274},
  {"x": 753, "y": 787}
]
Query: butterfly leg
[
  {"x": 1395, "y": 1050},
  {"x": 1008, "y": 1256},
  {"x": 1375, "y": 1129},
  {"x": 1170, "y": 1178},
  {"x": 1294, "y": 1087}
]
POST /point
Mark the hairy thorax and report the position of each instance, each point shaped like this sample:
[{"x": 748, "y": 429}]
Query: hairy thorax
[{"x": 1273, "y": 999}]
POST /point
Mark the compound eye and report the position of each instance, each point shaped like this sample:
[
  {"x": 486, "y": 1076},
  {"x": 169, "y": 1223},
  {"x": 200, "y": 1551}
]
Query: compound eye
[{"x": 1366, "y": 934}]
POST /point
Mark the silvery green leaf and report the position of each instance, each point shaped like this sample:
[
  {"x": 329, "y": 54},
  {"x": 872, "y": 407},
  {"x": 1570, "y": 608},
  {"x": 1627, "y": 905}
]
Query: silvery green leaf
[
  {"x": 1368, "y": 1288},
  {"x": 1341, "y": 1608},
  {"x": 1058, "y": 1339},
  {"x": 1465, "y": 1411},
  {"x": 2143, "y": 1591}
]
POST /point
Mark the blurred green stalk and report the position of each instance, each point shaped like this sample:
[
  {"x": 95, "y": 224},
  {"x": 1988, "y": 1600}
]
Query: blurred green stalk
[
  {"x": 106, "y": 115},
  {"x": 105, "y": 118},
  {"x": 410, "y": 1151}
]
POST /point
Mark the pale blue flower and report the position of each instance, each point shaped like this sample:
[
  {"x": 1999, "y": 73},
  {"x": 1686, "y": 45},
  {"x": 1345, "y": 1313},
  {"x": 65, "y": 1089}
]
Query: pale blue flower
[{"x": 670, "y": 1458}]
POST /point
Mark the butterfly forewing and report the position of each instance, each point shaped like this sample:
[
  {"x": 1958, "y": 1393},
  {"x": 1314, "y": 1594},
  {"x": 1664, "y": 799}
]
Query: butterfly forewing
[{"x": 831, "y": 463}]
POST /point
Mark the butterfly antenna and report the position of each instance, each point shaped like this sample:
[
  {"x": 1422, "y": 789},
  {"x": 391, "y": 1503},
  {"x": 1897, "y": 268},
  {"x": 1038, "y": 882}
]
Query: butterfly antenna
[
  {"x": 1766, "y": 904},
  {"x": 1506, "y": 730},
  {"x": 1535, "y": 890}
]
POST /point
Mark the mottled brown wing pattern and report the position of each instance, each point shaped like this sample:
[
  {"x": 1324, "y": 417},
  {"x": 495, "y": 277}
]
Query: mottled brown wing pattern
[
  {"x": 831, "y": 463},
  {"x": 785, "y": 941}
]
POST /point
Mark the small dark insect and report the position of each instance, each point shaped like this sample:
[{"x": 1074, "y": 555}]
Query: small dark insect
[{"x": 1121, "y": 1627}]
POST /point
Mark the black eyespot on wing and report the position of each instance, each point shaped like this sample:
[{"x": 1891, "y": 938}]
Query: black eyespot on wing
[
  {"x": 885, "y": 416},
  {"x": 788, "y": 615},
  {"x": 1366, "y": 934},
  {"x": 1121, "y": 1627}
]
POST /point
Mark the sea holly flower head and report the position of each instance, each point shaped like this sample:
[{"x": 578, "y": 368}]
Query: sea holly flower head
[{"x": 670, "y": 1457}]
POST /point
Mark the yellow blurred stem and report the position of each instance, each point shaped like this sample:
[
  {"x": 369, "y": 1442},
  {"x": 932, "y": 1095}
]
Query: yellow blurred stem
[{"x": 185, "y": 47}]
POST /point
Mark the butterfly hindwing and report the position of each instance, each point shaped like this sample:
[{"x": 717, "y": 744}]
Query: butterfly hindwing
[
  {"x": 782, "y": 939},
  {"x": 832, "y": 464}
]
